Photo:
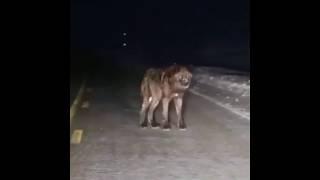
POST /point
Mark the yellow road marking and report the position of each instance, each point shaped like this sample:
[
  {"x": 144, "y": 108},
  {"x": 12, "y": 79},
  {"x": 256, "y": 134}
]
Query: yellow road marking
[
  {"x": 76, "y": 136},
  {"x": 76, "y": 102}
]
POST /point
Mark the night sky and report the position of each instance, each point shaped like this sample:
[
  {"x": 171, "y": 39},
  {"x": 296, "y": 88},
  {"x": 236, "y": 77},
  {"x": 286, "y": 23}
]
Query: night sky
[{"x": 198, "y": 32}]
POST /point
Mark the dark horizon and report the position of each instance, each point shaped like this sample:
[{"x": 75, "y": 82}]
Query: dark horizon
[{"x": 209, "y": 33}]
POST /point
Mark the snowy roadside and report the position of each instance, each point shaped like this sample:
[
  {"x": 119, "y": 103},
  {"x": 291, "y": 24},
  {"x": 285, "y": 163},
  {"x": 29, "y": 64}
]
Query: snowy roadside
[{"x": 226, "y": 88}]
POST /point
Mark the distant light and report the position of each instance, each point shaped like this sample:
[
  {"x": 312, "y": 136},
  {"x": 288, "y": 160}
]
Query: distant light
[
  {"x": 124, "y": 34},
  {"x": 124, "y": 44}
]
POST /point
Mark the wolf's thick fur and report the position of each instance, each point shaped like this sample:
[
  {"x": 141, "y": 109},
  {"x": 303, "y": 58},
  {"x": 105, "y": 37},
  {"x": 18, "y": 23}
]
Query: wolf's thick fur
[{"x": 164, "y": 85}]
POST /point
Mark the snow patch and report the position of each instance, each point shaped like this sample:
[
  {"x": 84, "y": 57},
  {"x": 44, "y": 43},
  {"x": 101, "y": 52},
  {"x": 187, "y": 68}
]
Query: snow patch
[
  {"x": 226, "y": 88},
  {"x": 221, "y": 78},
  {"x": 238, "y": 111}
]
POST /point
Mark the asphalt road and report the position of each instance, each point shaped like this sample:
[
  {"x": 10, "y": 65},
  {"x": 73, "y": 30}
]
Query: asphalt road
[{"x": 216, "y": 144}]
